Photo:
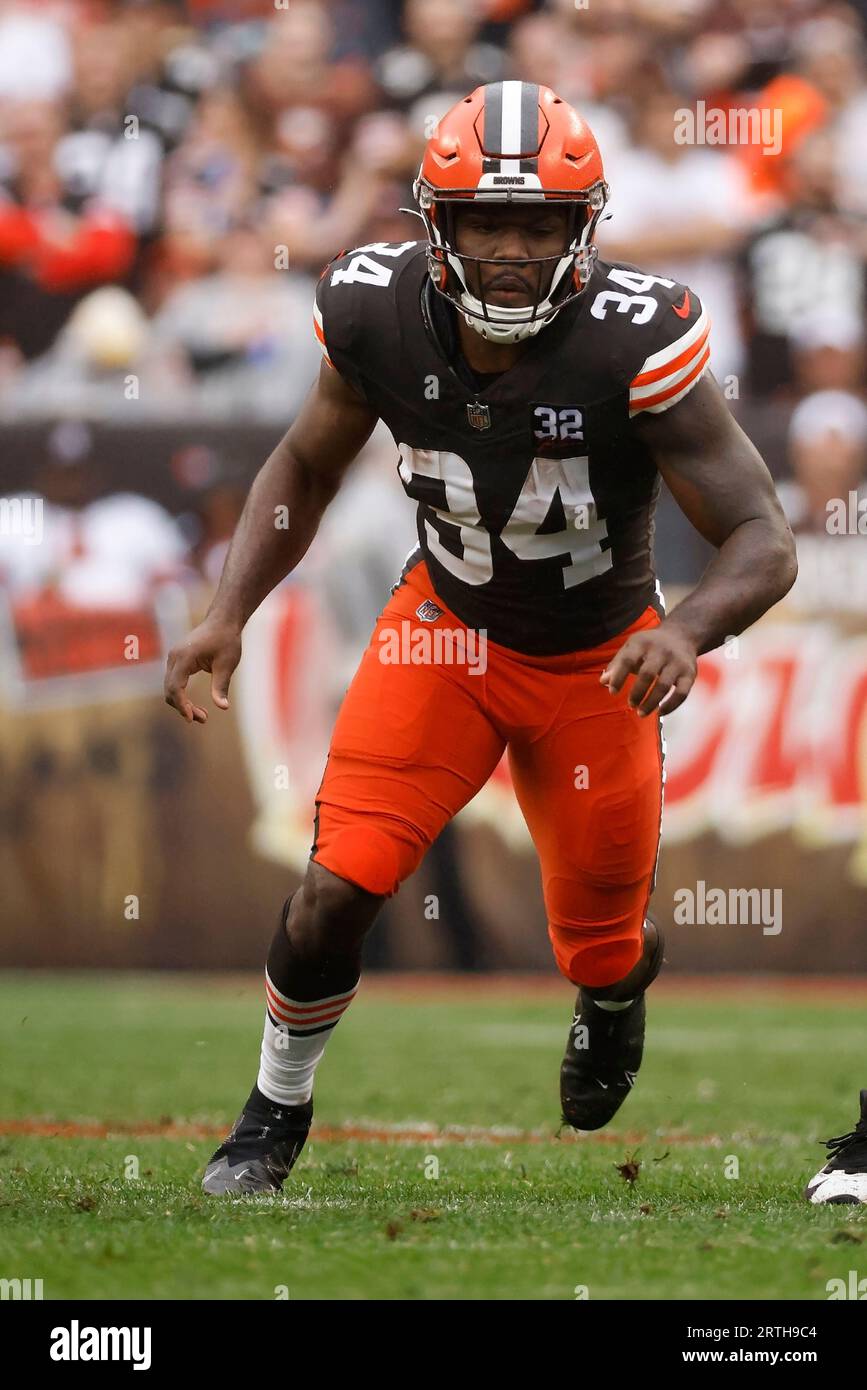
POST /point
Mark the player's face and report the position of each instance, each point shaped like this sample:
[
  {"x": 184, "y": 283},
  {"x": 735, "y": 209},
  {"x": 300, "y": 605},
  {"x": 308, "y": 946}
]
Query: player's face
[{"x": 514, "y": 234}]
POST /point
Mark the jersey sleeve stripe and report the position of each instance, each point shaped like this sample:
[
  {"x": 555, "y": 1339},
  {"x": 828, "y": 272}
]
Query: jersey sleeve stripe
[
  {"x": 639, "y": 394},
  {"x": 648, "y": 380},
  {"x": 320, "y": 335},
  {"x": 674, "y": 389},
  {"x": 660, "y": 364}
]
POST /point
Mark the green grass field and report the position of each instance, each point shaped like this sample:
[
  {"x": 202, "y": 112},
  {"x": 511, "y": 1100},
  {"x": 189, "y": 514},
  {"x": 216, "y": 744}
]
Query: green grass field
[{"x": 508, "y": 1216}]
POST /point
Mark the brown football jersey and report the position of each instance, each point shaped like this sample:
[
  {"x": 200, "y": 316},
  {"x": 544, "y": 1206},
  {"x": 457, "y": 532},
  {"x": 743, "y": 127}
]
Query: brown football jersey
[{"x": 535, "y": 496}]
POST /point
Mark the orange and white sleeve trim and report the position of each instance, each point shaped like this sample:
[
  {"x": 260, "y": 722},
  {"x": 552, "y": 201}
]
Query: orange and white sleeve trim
[
  {"x": 667, "y": 375},
  {"x": 320, "y": 333}
]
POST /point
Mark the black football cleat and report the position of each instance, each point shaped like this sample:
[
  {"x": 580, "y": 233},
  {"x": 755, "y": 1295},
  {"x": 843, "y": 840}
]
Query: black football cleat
[
  {"x": 265, "y": 1141},
  {"x": 603, "y": 1055},
  {"x": 843, "y": 1180}
]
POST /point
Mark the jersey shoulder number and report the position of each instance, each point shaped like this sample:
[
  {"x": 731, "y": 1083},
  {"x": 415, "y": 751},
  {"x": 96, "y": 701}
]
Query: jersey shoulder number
[
  {"x": 356, "y": 311},
  {"x": 373, "y": 264},
  {"x": 667, "y": 328},
  {"x": 350, "y": 295}
]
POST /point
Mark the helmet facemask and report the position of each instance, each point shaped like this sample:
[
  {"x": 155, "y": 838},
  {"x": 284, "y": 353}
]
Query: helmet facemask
[{"x": 559, "y": 278}]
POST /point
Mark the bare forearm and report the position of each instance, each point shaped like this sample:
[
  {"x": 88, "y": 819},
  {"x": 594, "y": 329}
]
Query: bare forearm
[
  {"x": 280, "y": 518},
  {"x": 752, "y": 570}
]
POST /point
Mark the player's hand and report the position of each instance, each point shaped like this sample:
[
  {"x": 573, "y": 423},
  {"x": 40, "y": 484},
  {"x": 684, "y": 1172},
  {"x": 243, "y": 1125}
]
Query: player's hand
[
  {"x": 214, "y": 646},
  {"x": 663, "y": 661}
]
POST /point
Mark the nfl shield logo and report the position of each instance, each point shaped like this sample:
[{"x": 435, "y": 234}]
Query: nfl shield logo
[
  {"x": 428, "y": 611},
  {"x": 479, "y": 416}
]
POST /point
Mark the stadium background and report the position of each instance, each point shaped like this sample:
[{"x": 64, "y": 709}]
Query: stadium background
[{"x": 172, "y": 179}]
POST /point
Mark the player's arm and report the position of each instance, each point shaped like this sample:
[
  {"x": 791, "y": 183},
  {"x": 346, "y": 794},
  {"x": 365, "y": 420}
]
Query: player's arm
[
  {"x": 722, "y": 486},
  {"x": 296, "y": 483}
]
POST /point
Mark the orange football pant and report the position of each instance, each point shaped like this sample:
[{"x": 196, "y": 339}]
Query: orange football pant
[{"x": 417, "y": 737}]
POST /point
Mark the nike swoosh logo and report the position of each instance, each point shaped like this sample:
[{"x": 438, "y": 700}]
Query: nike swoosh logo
[
  {"x": 682, "y": 310},
  {"x": 603, "y": 1084}
]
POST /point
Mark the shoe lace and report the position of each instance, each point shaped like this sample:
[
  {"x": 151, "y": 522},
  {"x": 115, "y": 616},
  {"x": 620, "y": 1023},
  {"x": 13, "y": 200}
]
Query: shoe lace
[{"x": 836, "y": 1145}]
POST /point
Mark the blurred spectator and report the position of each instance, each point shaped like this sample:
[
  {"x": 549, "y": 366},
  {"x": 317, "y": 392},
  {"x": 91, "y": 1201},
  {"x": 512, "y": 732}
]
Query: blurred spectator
[
  {"x": 764, "y": 30},
  {"x": 441, "y": 59},
  {"x": 828, "y": 350},
  {"x": 106, "y": 155},
  {"x": 364, "y": 28},
  {"x": 105, "y": 361},
  {"x": 374, "y": 181},
  {"x": 810, "y": 257},
  {"x": 826, "y": 503},
  {"x": 831, "y": 51},
  {"x": 828, "y": 454},
  {"x": 794, "y": 109},
  {"x": 680, "y": 210},
  {"x": 595, "y": 74},
  {"x": 210, "y": 181},
  {"x": 217, "y": 514},
  {"x": 94, "y": 551},
  {"x": 243, "y": 331},
  {"x": 35, "y": 61},
  {"x": 59, "y": 233},
  {"x": 174, "y": 71},
  {"x": 293, "y": 69}
]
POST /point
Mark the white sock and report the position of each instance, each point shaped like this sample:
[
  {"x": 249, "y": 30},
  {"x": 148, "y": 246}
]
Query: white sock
[
  {"x": 613, "y": 1006},
  {"x": 294, "y": 1040}
]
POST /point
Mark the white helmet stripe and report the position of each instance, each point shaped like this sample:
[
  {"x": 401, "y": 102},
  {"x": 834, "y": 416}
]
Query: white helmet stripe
[{"x": 510, "y": 127}]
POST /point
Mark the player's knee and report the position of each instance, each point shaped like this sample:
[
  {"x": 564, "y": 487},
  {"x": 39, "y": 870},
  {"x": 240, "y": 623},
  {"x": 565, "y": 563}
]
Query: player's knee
[
  {"x": 327, "y": 911},
  {"x": 372, "y": 856},
  {"x": 595, "y": 963}
]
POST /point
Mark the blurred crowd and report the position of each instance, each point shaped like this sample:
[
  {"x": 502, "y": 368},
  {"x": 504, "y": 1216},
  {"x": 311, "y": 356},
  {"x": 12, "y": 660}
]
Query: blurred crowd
[{"x": 173, "y": 177}]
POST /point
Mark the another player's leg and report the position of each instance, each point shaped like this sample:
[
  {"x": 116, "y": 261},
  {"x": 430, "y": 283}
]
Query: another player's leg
[
  {"x": 843, "y": 1179},
  {"x": 590, "y": 787},
  {"x": 412, "y": 744}
]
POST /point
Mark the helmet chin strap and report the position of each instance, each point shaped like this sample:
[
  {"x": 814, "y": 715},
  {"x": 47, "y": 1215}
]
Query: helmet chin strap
[{"x": 503, "y": 332}]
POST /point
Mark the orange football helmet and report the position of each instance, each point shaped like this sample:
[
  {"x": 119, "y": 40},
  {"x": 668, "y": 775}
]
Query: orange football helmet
[{"x": 511, "y": 142}]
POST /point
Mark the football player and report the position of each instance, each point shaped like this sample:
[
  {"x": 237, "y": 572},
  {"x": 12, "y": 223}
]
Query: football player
[{"x": 536, "y": 395}]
